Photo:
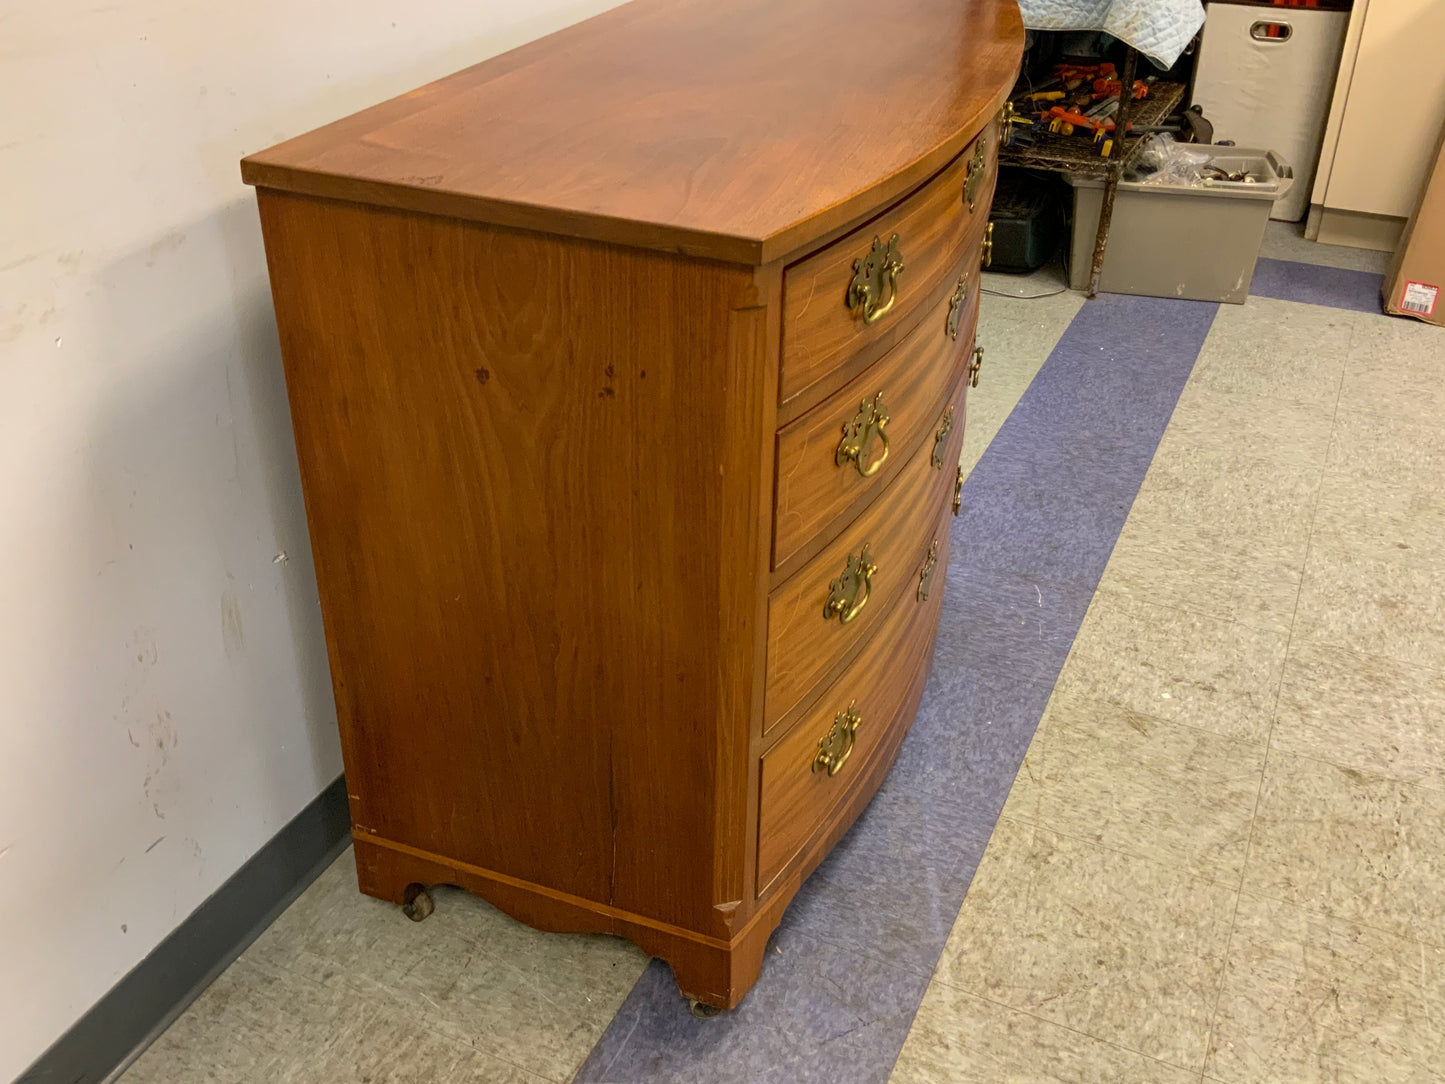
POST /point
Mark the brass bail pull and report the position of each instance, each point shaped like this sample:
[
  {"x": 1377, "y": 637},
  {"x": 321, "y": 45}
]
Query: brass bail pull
[
  {"x": 955, "y": 306},
  {"x": 848, "y": 594},
  {"x": 976, "y": 166},
  {"x": 836, "y": 746},
  {"x": 868, "y": 426},
  {"x": 940, "y": 439},
  {"x": 925, "y": 574},
  {"x": 875, "y": 277}
]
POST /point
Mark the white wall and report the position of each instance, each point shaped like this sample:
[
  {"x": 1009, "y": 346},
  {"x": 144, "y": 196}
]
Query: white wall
[{"x": 164, "y": 701}]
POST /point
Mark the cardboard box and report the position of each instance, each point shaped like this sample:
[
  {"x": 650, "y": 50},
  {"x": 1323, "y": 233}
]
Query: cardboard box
[{"x": 1415, "y": 285}]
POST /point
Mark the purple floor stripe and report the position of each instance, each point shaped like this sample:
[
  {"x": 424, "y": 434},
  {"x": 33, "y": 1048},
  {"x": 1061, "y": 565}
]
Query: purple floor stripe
[
  {"x": 1337, "y": 287},
  {"x": 848, "y": 967}
]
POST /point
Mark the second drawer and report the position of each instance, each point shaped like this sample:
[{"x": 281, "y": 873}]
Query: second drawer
[{"x": 820, "y": 617}]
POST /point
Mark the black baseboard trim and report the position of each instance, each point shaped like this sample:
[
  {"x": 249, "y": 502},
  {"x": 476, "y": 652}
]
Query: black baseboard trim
[{"x": 103, "y": 1042}]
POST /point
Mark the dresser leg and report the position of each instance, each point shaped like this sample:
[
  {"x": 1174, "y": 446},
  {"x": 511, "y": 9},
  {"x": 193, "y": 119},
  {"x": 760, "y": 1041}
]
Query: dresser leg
[
  {"x": 712, "y": 979},
  {"x": 419, "y": 905},
  {"x": 380, "y": 874}
]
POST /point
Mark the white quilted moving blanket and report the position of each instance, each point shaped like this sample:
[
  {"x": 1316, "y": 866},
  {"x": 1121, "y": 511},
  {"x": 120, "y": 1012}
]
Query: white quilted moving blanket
[{"x": 1160, "y": 29}]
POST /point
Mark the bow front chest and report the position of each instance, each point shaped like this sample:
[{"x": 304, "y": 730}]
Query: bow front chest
[{"x": 628, "y": 372}]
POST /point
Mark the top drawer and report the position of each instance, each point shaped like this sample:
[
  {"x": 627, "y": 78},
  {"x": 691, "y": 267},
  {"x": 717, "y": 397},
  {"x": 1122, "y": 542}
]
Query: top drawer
[{"x": 848, "y": 303}]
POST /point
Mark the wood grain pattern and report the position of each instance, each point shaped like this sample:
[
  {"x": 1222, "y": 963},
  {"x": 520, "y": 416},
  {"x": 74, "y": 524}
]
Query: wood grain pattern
[
  {"x": 821, "y": 334},
  {"x": 804, "y": 649},
  {"x": 534, "y": 576},
  {"x": 814, "y": 495},
  {"x": 797, "y": 802},
  {"x": 735, "y": 129}
]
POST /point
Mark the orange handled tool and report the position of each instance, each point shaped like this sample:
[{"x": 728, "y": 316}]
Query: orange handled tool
[
  {"x": 1109, "y": 88},
  {"x": 1068, "y": 116}
]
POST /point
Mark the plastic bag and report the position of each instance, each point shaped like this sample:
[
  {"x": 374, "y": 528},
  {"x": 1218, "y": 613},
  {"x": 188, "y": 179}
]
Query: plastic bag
[{"x": 1163, "y": 161}]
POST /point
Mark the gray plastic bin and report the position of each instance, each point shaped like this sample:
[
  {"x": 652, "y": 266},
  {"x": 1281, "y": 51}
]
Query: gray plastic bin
[{"x": 1175, "y": 241}]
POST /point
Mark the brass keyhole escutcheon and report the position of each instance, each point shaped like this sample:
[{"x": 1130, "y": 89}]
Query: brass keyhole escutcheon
[
  {"x": 875, "y": 277},
  {"x": 940, "y": 439},
  {"x": 925, "y": 577},
  {"x": 868, "y": 426},
  {"x": 975, "y": 367},
  {"x": 836, "y": 746},
  {"x": 958, "y": 490},
  {"x": 955, "y": 306},
  {"x": 848, "y": 594},
  {"x": 976, "y": 166},
  {"x": 986, "y": 249}
]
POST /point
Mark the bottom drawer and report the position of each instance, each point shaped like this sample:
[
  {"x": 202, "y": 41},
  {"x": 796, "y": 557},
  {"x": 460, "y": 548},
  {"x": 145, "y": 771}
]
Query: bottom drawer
[{"x": 810, "y": 773}]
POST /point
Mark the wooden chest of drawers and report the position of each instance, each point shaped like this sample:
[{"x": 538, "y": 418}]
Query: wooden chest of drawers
[{"x": 628, "y": 373}]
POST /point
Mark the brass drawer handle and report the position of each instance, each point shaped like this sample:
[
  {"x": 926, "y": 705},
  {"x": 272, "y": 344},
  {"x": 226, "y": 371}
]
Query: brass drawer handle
[
  {"x": 955, "y": 306},
  {"x": 874, "y": 275},
  {"x": 940, "y": 439},
  {"x": 836, "y": 746},
  {"x": 986, "y": 249},
  {"x": 1007, "y": 118},
  {"x": 856, "y": 447},
  {"x": 848, "y": 594},
  {"x": 975, "y": 367},
  {"x": 925, "y": 577},
  {"x": 958, "y": 490},
  {"x": 976, "y": 166}
]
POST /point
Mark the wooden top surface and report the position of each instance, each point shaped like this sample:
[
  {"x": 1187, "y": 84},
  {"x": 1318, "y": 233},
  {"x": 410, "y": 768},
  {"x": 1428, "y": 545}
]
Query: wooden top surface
[{"x": 736, "y": 129}]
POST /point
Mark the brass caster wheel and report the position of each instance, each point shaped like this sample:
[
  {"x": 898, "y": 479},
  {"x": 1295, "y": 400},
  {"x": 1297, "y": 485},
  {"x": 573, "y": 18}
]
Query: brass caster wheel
[
  {"x": 701, "y": 1009},
  {"x": 418, "y": 903}
]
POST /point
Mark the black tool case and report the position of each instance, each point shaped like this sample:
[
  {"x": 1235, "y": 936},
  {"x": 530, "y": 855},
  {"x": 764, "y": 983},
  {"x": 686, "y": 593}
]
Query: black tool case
[{"x": 1028, "y": 219}]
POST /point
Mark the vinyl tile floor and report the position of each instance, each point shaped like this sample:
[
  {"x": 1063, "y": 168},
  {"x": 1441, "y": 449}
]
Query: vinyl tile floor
[{"x": 1223, "y": 855}]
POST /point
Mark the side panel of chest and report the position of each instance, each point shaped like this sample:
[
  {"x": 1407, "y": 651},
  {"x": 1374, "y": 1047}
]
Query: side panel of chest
[{"x": 535, "y": 476}]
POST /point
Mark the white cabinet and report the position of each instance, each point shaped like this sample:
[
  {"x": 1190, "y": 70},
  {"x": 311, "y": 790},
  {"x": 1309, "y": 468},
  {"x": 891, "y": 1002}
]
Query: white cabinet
[{"x": 1384, "y": 122}]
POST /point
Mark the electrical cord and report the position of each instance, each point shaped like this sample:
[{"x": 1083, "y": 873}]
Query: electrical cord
[{"x": 1024, "y": 297}]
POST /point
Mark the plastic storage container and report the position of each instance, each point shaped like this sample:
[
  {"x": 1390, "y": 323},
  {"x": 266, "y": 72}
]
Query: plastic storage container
[
  {"x": 1197, "y": 242},
  {"x": 1265, "y": 76}
]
